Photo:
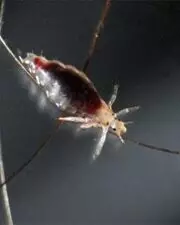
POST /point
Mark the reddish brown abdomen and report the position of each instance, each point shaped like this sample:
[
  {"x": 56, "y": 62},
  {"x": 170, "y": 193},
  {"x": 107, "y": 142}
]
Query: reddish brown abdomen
[{"x": 79, "y": 90}]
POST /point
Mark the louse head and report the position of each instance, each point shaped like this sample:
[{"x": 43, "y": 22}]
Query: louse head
[
  {"x": 118, "y": 127},
  {"x": 108, "y": 118}
]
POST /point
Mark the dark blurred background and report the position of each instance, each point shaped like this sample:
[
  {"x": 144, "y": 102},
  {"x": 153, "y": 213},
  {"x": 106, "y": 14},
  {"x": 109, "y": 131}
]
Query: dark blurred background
[{"x": 139, "y": 49}]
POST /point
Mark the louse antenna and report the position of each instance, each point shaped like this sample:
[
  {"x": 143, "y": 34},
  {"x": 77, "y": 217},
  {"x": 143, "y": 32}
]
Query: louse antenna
[{"x": 96, "y": 34}]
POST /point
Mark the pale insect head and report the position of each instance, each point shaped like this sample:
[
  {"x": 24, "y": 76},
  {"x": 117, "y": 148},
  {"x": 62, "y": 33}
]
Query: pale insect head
[{"x": 118, "y": 127}]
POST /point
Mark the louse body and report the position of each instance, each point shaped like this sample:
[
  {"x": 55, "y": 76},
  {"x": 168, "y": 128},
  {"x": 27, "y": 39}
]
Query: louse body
[{"x": 73, "y": 92}]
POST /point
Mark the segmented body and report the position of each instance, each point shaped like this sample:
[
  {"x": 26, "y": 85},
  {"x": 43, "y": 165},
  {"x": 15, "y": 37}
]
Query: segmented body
[{"x": 70, "y": 89}]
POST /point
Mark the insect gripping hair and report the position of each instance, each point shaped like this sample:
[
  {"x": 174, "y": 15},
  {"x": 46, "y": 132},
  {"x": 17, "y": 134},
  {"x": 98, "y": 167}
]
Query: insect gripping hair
[{"x": 87, "y": 61}]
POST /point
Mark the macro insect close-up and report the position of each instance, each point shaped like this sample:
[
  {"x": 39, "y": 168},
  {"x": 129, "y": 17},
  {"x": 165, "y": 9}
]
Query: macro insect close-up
[{"x": 77, "y": 147}]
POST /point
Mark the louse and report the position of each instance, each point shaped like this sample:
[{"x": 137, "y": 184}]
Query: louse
[{"x": 71, "y": 90}]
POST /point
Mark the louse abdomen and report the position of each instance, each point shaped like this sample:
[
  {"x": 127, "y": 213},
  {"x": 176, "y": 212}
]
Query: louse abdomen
[{"x": 78, "y": 92}]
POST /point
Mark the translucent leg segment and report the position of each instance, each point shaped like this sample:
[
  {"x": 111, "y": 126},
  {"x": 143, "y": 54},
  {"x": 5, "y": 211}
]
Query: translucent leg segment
[
  {"x": 127, "y": 110},
  {"x": 100, "y": 143},
  {"x": 114, "y": 95},
  {"x": 74, "y": 119}
]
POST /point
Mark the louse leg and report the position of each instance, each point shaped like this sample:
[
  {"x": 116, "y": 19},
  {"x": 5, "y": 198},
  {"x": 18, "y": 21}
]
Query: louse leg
[
  {"x": 74, "y": 119},
  {"x": 121, "y": 139},
  {"x": 128, "y": 122},
  {"x": 89, "y": 125},
  {"x": 100, "y": 143},
  {"x": 127, "y": 110},
  {"x": 114, "y": 95}
]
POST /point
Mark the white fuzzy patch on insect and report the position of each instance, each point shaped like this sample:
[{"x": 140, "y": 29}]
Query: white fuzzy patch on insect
[{"x": 51, "y": 87}]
